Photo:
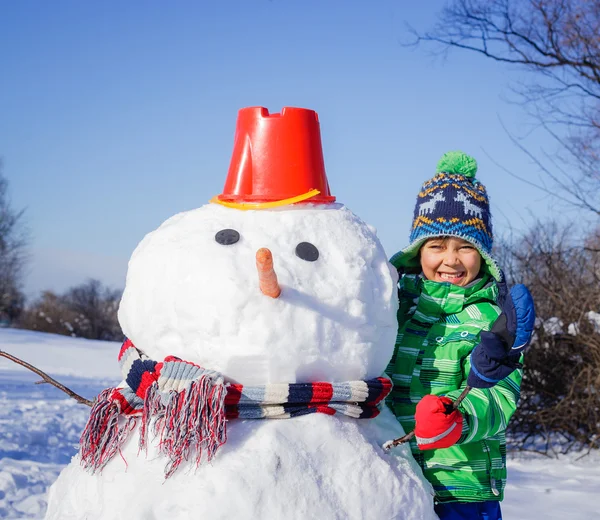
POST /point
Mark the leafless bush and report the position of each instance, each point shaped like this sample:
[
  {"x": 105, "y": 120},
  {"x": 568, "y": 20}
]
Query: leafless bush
[
  {"x": 560, "y": 403},
  {"x": 88, "y": 311},
  {"x": 48, "y": 314}
]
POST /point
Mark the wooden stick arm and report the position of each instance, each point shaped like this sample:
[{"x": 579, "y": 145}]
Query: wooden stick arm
[
  {"x": 47, "y": 378},
  {"x": 387, "y": 446}
]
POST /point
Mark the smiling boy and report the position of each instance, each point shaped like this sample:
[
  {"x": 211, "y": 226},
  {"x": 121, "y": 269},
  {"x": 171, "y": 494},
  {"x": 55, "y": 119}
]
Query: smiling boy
[
  {"x": 448, "y": 291},
  {"x": 450, "y": 259}
]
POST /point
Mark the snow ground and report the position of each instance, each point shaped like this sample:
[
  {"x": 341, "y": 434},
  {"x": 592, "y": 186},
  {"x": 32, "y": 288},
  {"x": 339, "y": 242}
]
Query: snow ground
[
  {"x": 40, "y": 427},
  {"x": 553, "y": 489}
]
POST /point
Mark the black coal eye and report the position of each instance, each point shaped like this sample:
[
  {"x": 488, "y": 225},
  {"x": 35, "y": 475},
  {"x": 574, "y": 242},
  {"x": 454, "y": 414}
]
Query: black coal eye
[
  {"x": 227, "y": 237},
  {"x": 307, "y": 251}
]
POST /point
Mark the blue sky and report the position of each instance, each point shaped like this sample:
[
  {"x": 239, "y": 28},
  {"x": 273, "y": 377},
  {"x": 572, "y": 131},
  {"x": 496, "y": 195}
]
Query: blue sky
[{"x": 116, "y": 115}]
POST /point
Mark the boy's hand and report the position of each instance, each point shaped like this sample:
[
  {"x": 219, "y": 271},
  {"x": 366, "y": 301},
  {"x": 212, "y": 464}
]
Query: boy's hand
[
  {"x": 438, "y": 424},
  {"x": 499, "y": 350}
]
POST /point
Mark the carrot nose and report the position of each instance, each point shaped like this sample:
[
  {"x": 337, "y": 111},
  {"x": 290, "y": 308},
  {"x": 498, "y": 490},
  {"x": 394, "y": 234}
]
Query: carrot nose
[{"x": 267, "y": 279}]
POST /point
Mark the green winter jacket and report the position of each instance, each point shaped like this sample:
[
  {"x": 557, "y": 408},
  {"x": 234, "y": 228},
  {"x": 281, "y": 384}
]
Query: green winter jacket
[{"x": 439, "y": 325}]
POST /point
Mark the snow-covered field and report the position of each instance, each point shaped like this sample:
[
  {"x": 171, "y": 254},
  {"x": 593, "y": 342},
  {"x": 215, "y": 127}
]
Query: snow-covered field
[{"x": 40, "y": 426}]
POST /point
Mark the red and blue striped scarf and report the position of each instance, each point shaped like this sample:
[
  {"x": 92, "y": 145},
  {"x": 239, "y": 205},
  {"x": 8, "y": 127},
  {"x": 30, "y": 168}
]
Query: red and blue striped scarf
[{"x": 190, "y": 405}]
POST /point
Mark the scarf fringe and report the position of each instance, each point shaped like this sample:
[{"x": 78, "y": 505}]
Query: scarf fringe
[
  {"x": 103, "y": 436},
  {"x": 191, "y": 424}
]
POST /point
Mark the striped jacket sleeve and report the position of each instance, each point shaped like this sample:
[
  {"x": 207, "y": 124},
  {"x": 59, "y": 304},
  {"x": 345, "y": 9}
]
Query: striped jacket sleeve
[{"x": 486, "y": 411}]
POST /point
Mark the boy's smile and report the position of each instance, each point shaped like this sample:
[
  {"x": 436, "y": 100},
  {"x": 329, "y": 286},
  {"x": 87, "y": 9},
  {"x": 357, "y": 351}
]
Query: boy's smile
[
  {"x": 451, "y": 277},
  {"x": 450, "y": 259}
]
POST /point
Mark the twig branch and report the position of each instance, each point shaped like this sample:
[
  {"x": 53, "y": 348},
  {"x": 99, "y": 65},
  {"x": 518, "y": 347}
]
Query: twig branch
[
  {"x": 47, "y": 379},
  {"x": 405, "y": 438}
]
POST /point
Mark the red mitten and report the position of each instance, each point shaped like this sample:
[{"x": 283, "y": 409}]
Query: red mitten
[{"x": 435, "y": 427}]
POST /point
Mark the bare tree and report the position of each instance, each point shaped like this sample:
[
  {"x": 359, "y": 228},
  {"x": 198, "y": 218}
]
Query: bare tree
[
  {"x": 13, "y": 241},
  {"x": 558, "y": 42}
]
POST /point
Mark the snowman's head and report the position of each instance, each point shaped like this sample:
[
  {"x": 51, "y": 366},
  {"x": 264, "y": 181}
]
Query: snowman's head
[{"x": 193, "y": 291}]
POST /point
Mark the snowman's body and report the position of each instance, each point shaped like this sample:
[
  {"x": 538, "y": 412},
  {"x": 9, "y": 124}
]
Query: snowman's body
[{"x": 190, "y": 296}]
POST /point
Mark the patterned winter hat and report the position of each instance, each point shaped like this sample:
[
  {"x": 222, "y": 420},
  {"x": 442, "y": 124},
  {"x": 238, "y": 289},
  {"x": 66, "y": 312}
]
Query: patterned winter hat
[{"x": 453, "y": 203}]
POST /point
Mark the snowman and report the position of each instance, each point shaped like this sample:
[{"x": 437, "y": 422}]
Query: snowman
[{"x": 275, "y": 302}]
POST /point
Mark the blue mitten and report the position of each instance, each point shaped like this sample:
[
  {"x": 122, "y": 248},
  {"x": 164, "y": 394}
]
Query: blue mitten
[{"x": 499, "y": 350}]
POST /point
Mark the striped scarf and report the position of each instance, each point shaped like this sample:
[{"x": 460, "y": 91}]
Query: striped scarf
[{"x": 190, "y": 405}]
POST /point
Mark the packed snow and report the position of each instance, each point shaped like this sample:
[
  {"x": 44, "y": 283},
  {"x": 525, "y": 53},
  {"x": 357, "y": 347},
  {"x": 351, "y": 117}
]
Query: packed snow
[{"x": 40, "y": 427}]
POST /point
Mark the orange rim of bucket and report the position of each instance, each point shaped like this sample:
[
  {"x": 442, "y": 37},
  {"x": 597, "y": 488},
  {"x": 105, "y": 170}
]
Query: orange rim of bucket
[{"x": 265, "y": 205}]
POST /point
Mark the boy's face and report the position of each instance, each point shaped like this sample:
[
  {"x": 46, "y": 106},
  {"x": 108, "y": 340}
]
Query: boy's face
[{"x": 450, "y": 259}]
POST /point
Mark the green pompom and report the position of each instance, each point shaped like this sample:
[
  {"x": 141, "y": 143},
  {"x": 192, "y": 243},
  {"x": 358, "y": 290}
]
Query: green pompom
[{"x": 459, "y": 163}]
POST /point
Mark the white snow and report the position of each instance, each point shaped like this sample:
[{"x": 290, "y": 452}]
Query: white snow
[
  {"x": 553, "y": 325},
  {"x": 311, "y": 466},
  {"x": 40, "y": 427},
  {"x": 75, "y": 357},
  {"x": 561, "y": 488},
  {"x": 594, "y": 319}
]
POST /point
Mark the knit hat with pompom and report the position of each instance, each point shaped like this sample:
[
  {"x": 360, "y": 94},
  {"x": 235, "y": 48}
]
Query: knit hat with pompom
[{"x": 452, "y": 204}]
